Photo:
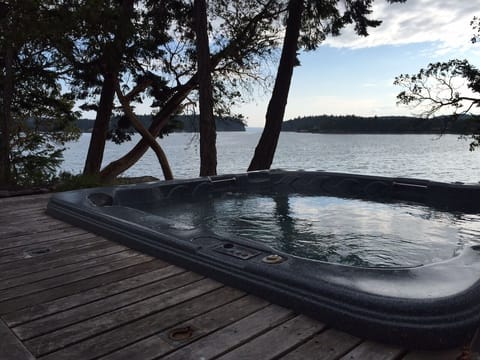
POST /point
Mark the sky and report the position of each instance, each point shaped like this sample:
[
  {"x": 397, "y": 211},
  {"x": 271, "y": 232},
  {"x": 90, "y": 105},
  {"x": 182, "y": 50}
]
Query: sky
[{"x": 354, "y": 75}]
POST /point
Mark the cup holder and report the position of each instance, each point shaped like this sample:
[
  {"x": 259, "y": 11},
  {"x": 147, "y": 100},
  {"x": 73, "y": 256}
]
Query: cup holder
[{"x": 100, "y": 199}]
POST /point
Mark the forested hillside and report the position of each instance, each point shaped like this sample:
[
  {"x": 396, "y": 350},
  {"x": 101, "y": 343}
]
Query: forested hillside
[
  {"x": 181, "y": 123},
  {"x": 384, "y": 124}
]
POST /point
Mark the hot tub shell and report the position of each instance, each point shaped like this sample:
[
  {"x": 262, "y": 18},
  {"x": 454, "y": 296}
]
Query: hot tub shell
[{"x": 426, "y": 307}]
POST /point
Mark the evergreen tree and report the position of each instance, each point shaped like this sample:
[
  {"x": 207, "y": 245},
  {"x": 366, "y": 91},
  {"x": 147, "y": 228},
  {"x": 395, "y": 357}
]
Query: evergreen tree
[
  {"x": 243, "y": 34},
  {"x": 208, "y": 150},
  {"x": 36, "y": 113},
  {"x": 308, "y": 23}
]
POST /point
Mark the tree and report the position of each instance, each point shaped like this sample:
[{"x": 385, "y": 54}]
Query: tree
[
  {"x": 98, "y": 54},
  {"x": 162, "y": 158},
  {"x": 307, "y": 25},
  {"x": 267, "y": 144},
  {"x": 442, "y": 86},
  {"x": 124, "y": 41},
  {"x": 439, "y": 86},
  {"x": 244, "y": 34},
  {"x": 208, "y": 151},
  {"x": 36, "y": 113}
]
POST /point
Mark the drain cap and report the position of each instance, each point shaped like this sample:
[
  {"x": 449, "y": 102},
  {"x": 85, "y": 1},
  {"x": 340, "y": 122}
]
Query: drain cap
[
  {"x": 273, "y": 259},
  {"x": 181, "y": 334}
]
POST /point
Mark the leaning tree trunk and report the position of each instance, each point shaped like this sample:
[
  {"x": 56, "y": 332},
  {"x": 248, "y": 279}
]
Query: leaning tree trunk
[
  {"x": 265, "y": 150},
  {"x": 112, "y": 55},
  {"x": 118, "y": 166},
  {"x": 208, "y": 133},
  {"x": 7, "y": 94},
  {"x": 162, "y": 158},
  {"x": 96, "y": 148}
]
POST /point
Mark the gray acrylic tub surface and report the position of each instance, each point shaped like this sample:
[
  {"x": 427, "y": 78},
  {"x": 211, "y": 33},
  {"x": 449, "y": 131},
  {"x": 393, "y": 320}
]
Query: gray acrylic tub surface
[{"x": 429, "y": 306}]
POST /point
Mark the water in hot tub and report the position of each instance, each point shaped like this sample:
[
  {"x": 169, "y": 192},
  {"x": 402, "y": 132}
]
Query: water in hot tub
[{"x": 337, "y": 230}]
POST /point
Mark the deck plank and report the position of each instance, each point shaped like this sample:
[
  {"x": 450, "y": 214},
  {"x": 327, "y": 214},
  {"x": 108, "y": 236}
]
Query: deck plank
[
  {"x": 99, "y": 307},
  {"x": 35, "y": 239},
  {"x": 45, "y": 257},
  {"x": 77, "y": 332},
  {"x": 24, "y": 199},
  {"x": 29, "y": 225},
  {"x": 29, "y": 266},
  {"x": 328, "y": 345},
  {"x": 91, "y": 278},
  {"x": 162, "y": 343},
  {"x": 11, "y": 348},
  {"x": 19, "y": 216},
  {"x": 138, "y": 329},
  {"x": 374, "y": 350},
  {"x": 452, "y": 354},
  {"x": 73, "y": 273},
  {"x": 232, "y": 336},
  {"x": 41, "y": 279},
  {"x": 152, "y": 273},
  {"x": 47, "y": 247},
  {"x": 277, "y": 341},
  {"x": 12, "y": 231}
]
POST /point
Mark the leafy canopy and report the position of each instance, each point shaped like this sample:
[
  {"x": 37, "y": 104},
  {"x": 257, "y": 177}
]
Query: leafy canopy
[
  {"x": 37, "y": 109},
  {"x": 452, "y": 86}
]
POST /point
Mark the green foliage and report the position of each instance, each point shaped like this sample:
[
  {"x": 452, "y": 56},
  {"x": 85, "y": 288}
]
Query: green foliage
[
  {"x": 37, "y": 113},
  {"x": 475, "y": 23},
  {"x": 383, "y": 124},
  {"x": 124, "y": 37},
  {"x": 441, "y": 87},
  {"x": 34, "y": 160},
  {"x": 438, "y": 86},
  {"x": 67, "y": 181},
  {"x": 35, "y": 155}
]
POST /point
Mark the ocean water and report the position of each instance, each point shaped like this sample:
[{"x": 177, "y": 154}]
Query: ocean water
[{"x": 421, "y": 156}]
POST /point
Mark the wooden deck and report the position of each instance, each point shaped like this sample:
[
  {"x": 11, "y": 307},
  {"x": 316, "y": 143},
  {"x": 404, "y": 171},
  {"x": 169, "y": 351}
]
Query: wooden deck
[{"x": 66, "y": 293}]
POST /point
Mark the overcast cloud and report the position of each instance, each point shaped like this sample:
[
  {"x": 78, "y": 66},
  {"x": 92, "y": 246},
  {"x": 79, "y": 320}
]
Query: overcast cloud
[{"x": 445, "y": 22}]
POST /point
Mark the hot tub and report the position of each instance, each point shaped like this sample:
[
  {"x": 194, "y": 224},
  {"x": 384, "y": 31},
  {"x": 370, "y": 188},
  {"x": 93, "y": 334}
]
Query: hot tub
[{"x": 427, "y": 304}]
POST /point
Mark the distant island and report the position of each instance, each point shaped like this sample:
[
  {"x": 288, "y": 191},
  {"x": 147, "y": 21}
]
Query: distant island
[
  {"x": 351, "y": 124},
  {"x": 181, "y": 123}
]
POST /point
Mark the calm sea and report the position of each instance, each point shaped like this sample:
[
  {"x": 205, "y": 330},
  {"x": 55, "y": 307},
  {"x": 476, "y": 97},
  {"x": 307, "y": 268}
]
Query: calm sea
[{"x": 420, "y": 156}]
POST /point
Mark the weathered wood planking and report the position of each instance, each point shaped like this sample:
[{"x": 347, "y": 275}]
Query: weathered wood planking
[
  {"x": 11, "y": 348},
  {"x": 47, "y": 247},
  {"x": 102, "y": 306},
  {"x": 224, "y": 339},
  {"x": 328, "y": 345},
  {"x": 147, "y": 272},
  {"x": 86, "y": 298}
]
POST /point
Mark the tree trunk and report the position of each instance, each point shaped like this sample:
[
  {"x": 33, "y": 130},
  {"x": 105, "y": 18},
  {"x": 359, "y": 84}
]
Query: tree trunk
[
  {"x": 267, "y": 144},
  {"x": 96, "y": 148},
  {"x": 120, "y": 165},
  {"x": 162, "y": 158},
  {"x": 116, "y": 167},
  {"x": 5, "y": 165},
  {"x": 208, "y": 133},
  {"x": 112, "y": 61}
]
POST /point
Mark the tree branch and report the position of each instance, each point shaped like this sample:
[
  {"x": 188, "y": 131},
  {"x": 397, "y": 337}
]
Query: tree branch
[{"x": 162, "y": 158}]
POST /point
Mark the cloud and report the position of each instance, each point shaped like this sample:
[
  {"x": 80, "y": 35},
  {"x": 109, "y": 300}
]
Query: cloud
[{"x": 446, "y": 23}]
